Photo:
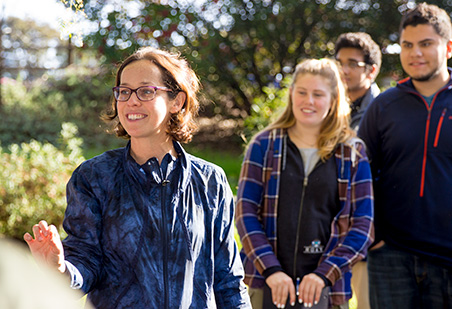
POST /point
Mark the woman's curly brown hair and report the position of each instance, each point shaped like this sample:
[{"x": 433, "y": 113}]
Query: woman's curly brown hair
[{"x": 178, "y": 76}]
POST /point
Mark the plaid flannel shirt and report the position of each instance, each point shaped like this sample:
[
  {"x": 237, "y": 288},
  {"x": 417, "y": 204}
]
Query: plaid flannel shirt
[{"x": 256, "y": 213}]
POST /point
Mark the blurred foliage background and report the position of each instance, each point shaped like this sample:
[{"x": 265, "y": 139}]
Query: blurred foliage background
[
  {"x": 243, "y": 51},
  {"x": 54, "y": 86}
]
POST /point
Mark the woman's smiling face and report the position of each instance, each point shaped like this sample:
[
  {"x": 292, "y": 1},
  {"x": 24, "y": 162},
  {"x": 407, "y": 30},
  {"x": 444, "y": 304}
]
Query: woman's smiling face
[
  {"x": 311, "y": 100},
  {"x": 144, "y": 119}
]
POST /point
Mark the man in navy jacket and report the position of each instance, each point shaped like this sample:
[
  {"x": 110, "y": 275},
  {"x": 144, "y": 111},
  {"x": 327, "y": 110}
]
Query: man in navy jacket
[{"x": 408, "y": 132}]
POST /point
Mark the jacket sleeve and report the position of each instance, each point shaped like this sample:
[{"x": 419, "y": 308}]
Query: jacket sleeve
[
  {"x": 82, "y": 223},
  {"x": 250, "y": 197},
  {"x": 230, "y": 291},
  {"x": 353, "y": 230}
]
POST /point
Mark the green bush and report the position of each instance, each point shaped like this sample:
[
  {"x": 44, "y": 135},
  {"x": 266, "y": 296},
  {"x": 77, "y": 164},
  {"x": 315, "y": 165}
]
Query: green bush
[
  {"x": 33, "y": 179},
  {"x": 23, "y": 117},
  {"x": 265, "y": 109},
  {"x": 79, "y": 96},
  {"x": 37, "y": 110}
]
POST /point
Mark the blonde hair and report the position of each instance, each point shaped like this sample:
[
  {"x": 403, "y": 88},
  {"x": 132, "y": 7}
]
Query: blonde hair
[{"x": 335, "y": 128}]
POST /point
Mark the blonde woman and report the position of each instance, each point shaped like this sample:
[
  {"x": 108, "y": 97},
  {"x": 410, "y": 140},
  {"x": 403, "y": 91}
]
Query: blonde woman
[{"x": 305, "y": 200}]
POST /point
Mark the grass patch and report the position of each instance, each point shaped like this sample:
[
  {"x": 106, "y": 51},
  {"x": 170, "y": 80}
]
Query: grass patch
[
  {"x": 90, "y": 152},
  {"x": 229, "y": 161}
]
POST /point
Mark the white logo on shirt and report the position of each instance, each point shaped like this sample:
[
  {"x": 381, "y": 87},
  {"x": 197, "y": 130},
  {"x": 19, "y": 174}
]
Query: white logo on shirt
[{"x": 314, "y": 248}]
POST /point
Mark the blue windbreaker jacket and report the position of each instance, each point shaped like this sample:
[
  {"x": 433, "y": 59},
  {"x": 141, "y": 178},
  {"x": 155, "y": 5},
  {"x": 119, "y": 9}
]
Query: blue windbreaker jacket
[{"x": 134, "y": 252}]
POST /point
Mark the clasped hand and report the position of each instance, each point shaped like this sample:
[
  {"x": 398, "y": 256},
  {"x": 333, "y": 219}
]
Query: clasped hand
[{"x": 282, "y": 286}]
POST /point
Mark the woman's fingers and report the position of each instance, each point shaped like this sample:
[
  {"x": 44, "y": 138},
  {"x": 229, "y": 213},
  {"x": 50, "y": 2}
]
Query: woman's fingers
[
  {"x": 37, "y": 232},
  {"x": 311, "y": 290},
  {"x": 54, "y": 232},
  {"x": 28, "y": 238},
  {"x": 44, "y": 227},
  {"x": 281, "y": 286},
  {"x": 40, "y": 230}
]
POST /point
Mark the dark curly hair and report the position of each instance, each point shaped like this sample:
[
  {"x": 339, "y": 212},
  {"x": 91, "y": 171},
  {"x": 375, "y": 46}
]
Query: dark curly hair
[
  {"x": 178, "y": 76},
  {"x": 428, "y": 14},
  {"x": 363, "y": 42}
]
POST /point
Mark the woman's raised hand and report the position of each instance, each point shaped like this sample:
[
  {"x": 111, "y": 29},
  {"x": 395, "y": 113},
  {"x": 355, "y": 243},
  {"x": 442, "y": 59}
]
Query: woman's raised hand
[{"x": 46, "y": 246}]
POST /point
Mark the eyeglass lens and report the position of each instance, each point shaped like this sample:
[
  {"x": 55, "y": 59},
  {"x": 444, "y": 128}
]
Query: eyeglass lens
[
  {"x": 353, "y": 64},
  {"x": 143, "y": 93}
]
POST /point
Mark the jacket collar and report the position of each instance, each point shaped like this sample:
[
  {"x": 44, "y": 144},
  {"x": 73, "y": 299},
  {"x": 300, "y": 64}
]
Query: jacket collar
[
  {"x": 370, "y": 95},
  {"x": 407, "y": 83},
  {"x": 133, "y": 168}
]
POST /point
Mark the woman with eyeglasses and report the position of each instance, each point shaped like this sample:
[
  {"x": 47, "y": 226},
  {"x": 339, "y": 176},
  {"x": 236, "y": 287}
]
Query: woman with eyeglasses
[
  {"x": 149, "y": 225},
  {"x": 305, "y": 200}
]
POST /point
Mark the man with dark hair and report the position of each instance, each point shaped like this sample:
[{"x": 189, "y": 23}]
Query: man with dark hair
[
  {"x": 360, "y": 58},
  {"x": 408, "y": 132}
]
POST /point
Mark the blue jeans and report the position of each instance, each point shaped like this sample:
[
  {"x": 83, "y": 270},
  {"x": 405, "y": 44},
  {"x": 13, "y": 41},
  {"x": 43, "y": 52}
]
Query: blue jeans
[{"x": 398, "y": 280}]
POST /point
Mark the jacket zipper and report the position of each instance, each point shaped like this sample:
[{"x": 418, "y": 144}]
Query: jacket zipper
[
  {"x": 424, "y": 159},
  {"x": 165, "y": 244},
  {"x": 297, "y": 239},
  {"x": 427, "y": 129},
  {"x": 438, "y": 129}
]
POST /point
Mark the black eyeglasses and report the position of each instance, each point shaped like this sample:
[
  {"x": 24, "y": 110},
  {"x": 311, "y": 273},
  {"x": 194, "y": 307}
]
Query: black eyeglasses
[
  {"x": 144, "y": 93},
  {"x": 353, "y": 64}
]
